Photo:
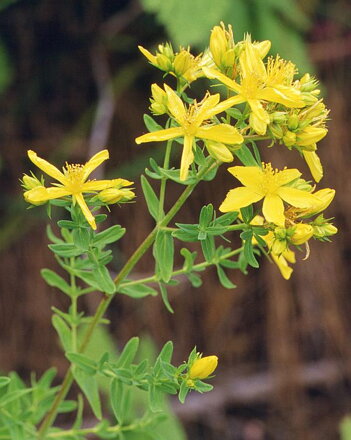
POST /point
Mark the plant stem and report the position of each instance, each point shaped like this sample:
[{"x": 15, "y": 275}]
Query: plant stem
[
  {"x": 104, "y": 303},
  {"x": 164, "y": 180},
  {"x": 196, "y": 268}
]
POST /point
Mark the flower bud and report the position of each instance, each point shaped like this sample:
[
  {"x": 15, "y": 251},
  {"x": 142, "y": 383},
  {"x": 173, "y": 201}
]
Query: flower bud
[
  {"x": 302, "y": 233},
  {"x": 30, "y": 182},
  {"x": 219, "y": 151},
  {"x": 311, "y": 135},
  {"x": 263, "y": 47},
  {"x": 182, "y": 62},
  {"x": 203, "y": 367},
  {"x": 115, "y": 195},
  {"x": 324, "y": 198},
  {"x": 163, "y": 62},
  {"x": 293, "y": 122},
  {"x": 158, "y": 100},
  {"x": 325, "y": 230},
  {"x": 278, "y": 117},
  {"x": 289, "y": 138},
  {"x": 276, "y": 131}
]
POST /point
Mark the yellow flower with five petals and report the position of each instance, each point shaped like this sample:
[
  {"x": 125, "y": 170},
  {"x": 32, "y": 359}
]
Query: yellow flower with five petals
[
  {"x": 73, "y": 181},
  {"x": 270, "y": 185},
  {"x": 193, "y": 125},
  {"x": 258, "y": 85}
]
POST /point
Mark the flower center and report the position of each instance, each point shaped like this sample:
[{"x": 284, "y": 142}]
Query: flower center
[
  {"x": 75, "y": 176},
  {"x": 270, "y": 181},
  {"x": 250, "y": 86},
  {"x": 280, "y": 71}
]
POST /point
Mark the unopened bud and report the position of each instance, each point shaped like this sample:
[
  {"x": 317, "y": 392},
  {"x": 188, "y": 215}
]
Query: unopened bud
[
  {"x": 219, "y": 151},
  {"x": 302, "y": 233},
  {"x": 203, "y": 367},
  {"x": 289, "y": 138},
  {"x": 293, "y": 122}
]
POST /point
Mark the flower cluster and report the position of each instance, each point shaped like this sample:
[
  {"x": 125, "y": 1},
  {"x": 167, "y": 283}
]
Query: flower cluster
[{"x": 274, "y": 105}]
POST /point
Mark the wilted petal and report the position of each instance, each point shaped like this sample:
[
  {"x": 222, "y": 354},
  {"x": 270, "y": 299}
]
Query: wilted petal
[{"x": 314, "y": 164}]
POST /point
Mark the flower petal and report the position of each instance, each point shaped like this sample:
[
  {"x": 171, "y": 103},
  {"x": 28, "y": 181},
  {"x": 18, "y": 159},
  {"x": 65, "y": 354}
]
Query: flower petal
[
  {"x": 160, "y": 135},
  {"x": 251, "y": 177},
  {"x": 148, "y": 55},
  {"x": 206, "y": 109},
  {"x": 216, "y": 74},
  {"x": 285, "y": 95},
  {"x": 239, "y": 198},
  {"x": 251, "y": 61},
  {"x": 187, "y": 157},
  {"x": 283, "y": 266},
  {"x": 314, "y": 164},
  {"x": 224, "y": 105},
  {"x": 259, "y": 111},
  {"x": 297, "y": 197},
  {"x": 84, "y": 207},
  {"x": 273, "y": 209},
  {"x": 47, "y": 167},
  {"x": 287, "y": 176},
  {"x": 175, "y": 105},
  {"x": 42, "y": 194},
  {"x": 220, "y": 133},
  {"x": 94, "y": 162},
  {"x": 99, "y": 185}
]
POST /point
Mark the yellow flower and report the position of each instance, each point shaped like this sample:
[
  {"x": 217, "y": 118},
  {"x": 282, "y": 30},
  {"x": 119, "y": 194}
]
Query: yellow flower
[
  {"x": 222, "y": 46},
  {"x": 258, "y": 85},
  {"x": 302, "y": 233},
  {"x": 203, "y": 367},
  {"x": 192, "y": 125},
  {"x": 270, "y": 185},
  {"x": 72, "y": 182},
  {"x": 116, "y": 194}
]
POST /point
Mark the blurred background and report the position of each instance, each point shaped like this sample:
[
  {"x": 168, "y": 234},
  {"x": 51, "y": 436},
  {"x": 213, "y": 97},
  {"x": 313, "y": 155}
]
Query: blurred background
[{"x": 72, "y": 81}]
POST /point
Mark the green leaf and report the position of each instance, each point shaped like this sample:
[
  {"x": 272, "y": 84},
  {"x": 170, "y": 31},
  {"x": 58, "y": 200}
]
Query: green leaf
[
  {"x": 128, "y": 353},
  {"x": 120, "y": 400},
  {"x": 184, "y": 389},
  {"x": 246, "y": 157},
  {"x": 109, "y": 235},
  {"x": 164, "y": 255},
  {"x": 151, "y": 199},
  {"x": 224, "y": 280},
  {"x": 208, "y": 248},
  {"x": 206, "y": 216},
  {"x": 248, "y": 252},
  {"x": 55, "y": 280},
  {"x": 151, "y": 124},
  {"x": 345, "y": 428},
  {"x": 189, "y": 259},
  {"x": 156, "y": 399},
  {"x": 103, "y": 279},
  {"x": 166, "y": 352},
  {"x": 63, "y": 331},
  {"x": 137, "y": 291},
  {"x": 65, "y": 250},
  {"x": 88, "y": 365},
  {"x": 4, "y": 380},
  {"x": 165, "y": 299},
  {"x": 203, "y": 387},
  {"x": 88, "y": 385},
  {"x": 194, "y": 279},
  {"x": 81, "y": 238}
]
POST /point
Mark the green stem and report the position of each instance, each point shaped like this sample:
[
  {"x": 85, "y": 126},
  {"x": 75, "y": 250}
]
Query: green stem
[
  {"x": 73, "y": 308},
  {"x": 104, "y": 303},
  {"x": 196, "y": 268},
  {"x": 164, "y": 180},
  {"x": 255, "y": 137}
]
